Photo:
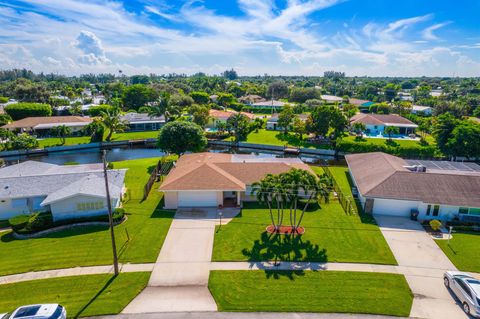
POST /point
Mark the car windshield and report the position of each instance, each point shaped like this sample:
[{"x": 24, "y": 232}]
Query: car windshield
[
  {"x": 57, "y": 313},
  {"x": 27, "y": 311}
]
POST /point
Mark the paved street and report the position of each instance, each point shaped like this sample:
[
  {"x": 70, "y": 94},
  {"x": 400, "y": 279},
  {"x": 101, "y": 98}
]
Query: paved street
[{"x": 423, "y": 264}]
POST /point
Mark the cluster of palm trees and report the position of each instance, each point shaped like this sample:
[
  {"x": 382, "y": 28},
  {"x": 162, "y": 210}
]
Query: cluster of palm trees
[{"x": 291, "y": 192}]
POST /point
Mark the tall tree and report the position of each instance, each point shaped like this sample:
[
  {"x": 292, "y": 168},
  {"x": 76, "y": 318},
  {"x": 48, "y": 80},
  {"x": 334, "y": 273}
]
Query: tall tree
[
  {"x": 138, "y": 95},
  {"x": 112, "y": 121},
  {"x": 285, "y": 118},
  {"x": 239, "y": 125},
  {"x": 318, "y": 121},
  {"x": 391, "y": 130},
  {"x": 180, "y": 137},
  {"x": 465, "y": 140},
  {"x": 442, "y": 131},
  {"x": 61, "y": 132}
]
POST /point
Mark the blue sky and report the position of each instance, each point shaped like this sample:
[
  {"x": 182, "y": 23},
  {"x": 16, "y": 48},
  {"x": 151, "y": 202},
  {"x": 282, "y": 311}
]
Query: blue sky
[{"x": 289, "y": 37}]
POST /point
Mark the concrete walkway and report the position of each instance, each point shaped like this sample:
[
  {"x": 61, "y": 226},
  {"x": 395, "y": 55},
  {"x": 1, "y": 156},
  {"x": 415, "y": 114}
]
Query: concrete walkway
[
  {"x": 423, "y": 264},
  {"x": 179, "y": 281}
]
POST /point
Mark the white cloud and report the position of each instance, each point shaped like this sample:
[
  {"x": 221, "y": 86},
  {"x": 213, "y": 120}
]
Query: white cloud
[
  {"x": 428, "y": 32},
  {"x": 92, "y": 48}
]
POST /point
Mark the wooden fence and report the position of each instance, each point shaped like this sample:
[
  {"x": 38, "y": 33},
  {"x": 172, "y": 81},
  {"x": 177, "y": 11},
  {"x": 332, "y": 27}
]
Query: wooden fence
[
  {"x": 347, "y": 202},
  {"x": 162, "y": 168}
]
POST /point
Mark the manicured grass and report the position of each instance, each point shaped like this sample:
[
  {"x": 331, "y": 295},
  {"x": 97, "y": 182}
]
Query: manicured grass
[
  {"x": 269, "y": 137},
  {"x": 463, "y": 250},
  {"x": 330, "y": 235},
  {"x": 147, "y": 226},
  {"x": 342, "y": 177},
  {"x": 54, "y": 141},
  {"x": 310, "y": 291},
  {"x": 81, "y": 296}
]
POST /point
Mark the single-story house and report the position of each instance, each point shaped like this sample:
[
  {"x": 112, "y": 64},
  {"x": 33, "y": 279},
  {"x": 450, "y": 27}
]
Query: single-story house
[
  {"x": 331, "y": 98},
  {"x": 219, "y": 116},
  {"x": 41, "y": 125},
  {"x": 67, "y": 191},
  {"x": 143, "y": 121},
  {"x": 251, "y": 99},
  {"x": 362, "y": 105},
  {"x": 405, "y": 96},
  {"x": 390, "y": 185},
  {"x": 269, "y": 104},
  {"x": 272, "y": 122},
  {"x": 419, "y": 109},
  {"x": 376, "y": 123},
  {"x": 219, "y": 179}
]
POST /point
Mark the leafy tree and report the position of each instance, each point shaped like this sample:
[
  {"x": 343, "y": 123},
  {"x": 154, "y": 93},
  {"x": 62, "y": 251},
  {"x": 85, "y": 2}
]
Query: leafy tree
[
  {"x": 391, "y": 130},
  {"x": 239, "y": 125},
  {"x": 137, "y": 95},
  {"x": 181, "y": 101},
  {"x": 26, "y": 91},
  {"x": 5, "y": 119},
  {"x": 349, "y": 110},
  {"x": 337, "y": 121},
  {"x": 22, "y": 142},
  {"x": 359, "y": 127},
  {"x": 230, "y": 74},
  {"x": 225, "y": 99},
  {"x": 278, "y": 90},
  {"x": 380, "y": 108},
  {"x": 465, "y": 140},
  {"x": 390, "y": 90},
  {"x": 3, "y": 99},
  {"x": 97, "y": 110},
  {"x": 200, "y": 115},
  {"x": 285, "y": 118},
  {"x": 318, "y": 121},
  {"x": 18, "y": 111},
  {"x": 403, "y": 108},
  {"x": 299, "y": 127},
  {"x": 139, "y": 79},
  {"x": 180, "y": 137},
  {"x": 301, "y": 95},
  {"x": 310, "y": 104},
  {"x": 95, "y": 130},
  {"x": 61, "y": 132},
  {"x": 112, "y": 121},
  {"x": 200, "y": 97},
  {"x": 442, "y": 131}
]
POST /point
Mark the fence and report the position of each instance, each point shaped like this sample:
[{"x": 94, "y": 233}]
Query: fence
[
  {"x": 348, "y": 204},
  {"x": 162, "y": 168}
]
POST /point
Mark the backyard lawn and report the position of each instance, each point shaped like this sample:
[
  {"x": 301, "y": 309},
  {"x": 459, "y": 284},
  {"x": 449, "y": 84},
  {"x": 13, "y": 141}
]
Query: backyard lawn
[
  {"x": 277, "y": 138},
  {"x": 331, "y": 235},
  {"x": 55, "y": 141},
  {"x": 147, "y": 226},
  {"x": 463, "y": 250},
  {"x": 311, "y": 291},
  {"x": 82, "y": 296}
]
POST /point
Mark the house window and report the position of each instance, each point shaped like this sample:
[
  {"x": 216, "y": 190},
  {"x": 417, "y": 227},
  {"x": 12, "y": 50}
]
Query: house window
[
  {"x": 429, "y": 208},
  {"x": 436, "y": 209},
  {"x": 474, "y": 211},
  {"x": 463, "y": 210},
  {"x": 90, "y": 206}
]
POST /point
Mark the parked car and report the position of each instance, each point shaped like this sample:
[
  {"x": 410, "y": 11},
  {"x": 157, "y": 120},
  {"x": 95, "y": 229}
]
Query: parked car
[
  {"x": 45, "y": 311},
  {"x": 466, "y": 288}
]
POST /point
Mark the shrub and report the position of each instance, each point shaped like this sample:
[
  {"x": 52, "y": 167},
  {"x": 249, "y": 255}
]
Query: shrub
[
  {"x": 18, "y": 222},
  {"x": 5, "y": 119},
  {"x": 98, "y": 109},
  {"x": 3, "y": 99},
  {"x": 38, "y": 222},
  {"x": 18, "y": 111},
  {"x": 435, "y": 224}
]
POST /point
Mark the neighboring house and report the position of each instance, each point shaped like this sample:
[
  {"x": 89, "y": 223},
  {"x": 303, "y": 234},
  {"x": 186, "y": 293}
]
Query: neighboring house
[
  {"x": 405, "y": 96},
  {"x": 68, "y": 191},
  {"x": 436, "y": 93},
  {"x": 219, "y": 179},
  {"x": 376, "y": 123},
  {"x": 389, "y": 185},
  {"x": 272, "y": 104},
  {"x": 362, "y": 105},
  {"x": 41, "y": 125},
  {"x": 219, "y": 116},
  {"x": 272, "y": 122},
  {"x": 251, "y": 99},
  {"x": 143, "y": 122},
  {"x": 418, "y": 109},
  {"x": 331, "y": 98}
]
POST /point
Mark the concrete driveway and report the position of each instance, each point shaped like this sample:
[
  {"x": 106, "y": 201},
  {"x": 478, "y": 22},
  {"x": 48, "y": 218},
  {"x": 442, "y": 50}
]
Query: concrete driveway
[{"x": 423, "y": 264}]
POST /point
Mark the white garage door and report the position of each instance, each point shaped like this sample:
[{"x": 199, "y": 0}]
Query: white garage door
[
  {"x": 197, "y": 199},
  {"x": 393, "y": 207}
]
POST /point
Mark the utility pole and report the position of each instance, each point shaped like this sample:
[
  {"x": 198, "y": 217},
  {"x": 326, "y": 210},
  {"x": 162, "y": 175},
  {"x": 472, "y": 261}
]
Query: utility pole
[{"x": 110, "y": 215}]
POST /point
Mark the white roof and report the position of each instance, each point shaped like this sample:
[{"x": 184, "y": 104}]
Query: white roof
[
  {"x": 420, "y": 108},
  {"x": 331, "y": 98},
  {"x": 52, "y": 125},
  {"x": 270, "y": 103}
]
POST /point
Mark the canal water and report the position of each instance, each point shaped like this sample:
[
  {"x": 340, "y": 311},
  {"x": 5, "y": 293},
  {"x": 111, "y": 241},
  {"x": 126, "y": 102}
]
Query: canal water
[{"x": 127, "y": 153}]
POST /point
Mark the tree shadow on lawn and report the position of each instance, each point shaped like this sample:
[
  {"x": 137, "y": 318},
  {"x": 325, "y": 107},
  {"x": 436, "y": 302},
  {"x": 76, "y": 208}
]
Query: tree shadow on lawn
[{"x": 107, "y": 284}]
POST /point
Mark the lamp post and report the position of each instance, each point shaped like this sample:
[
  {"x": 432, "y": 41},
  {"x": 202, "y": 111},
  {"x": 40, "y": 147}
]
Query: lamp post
[
  {"x": 110, "y": 216},
  {"x": 220, "y": 214},
  {"x": 449, "y": 234}
]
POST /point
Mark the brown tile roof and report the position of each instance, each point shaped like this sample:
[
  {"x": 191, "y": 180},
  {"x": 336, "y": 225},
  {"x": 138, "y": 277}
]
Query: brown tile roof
[
  {"x": 30, "y": 122},
  {"x": 385, "y": 176},
  {"x": 226, "y": 114},
  {"x": 357, "y": 102},
  {"x": 216, "y": 171},
  {"x": 381, "y": 119}
]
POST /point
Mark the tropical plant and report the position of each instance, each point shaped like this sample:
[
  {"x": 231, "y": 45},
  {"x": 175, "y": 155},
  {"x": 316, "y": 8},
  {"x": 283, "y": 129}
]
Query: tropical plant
[
  {"x": 179, "y": 137},
  {"x": 239, "y": 125},
  {"x": 359, "y": 127},
  {"x": 391, "y": 130},
  {"x": 61, "y": 132},
  {"x": 112, "y": 121},
  {"x": 435, "y": 224}
]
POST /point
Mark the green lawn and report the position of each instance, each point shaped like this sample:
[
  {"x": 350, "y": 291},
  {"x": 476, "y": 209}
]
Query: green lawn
[
  {"x": 330, "y": 235},
  {"x": 311, "y": 291},
  {"x": 463, "y": 250},
  {"x": 269, "y": 137},
  {"x": 81, "y": 296},
  {"x": 54, "y": 141},
  {"x": 147, "y": 226}
]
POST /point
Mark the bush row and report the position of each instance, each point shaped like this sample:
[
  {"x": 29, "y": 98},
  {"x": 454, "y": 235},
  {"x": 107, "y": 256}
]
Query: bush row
[
  {"x": 30, "y": 224},
  {"x": 18, "y": 111},
  {"x": 427, "y": 151}
]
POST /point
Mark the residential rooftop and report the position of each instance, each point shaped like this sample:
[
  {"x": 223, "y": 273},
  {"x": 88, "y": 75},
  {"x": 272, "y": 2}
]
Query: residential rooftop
[
  {"x": 46, "y": 122},
  {"x": 382, "y": 119}
]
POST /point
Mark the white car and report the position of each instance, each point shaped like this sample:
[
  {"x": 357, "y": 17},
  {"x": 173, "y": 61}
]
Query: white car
[
  {"x": 466, "y": 288},
  {"x": 45, "y": 311}
]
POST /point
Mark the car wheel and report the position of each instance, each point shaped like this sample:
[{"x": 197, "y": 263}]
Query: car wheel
[
  {"x": 446, "y": 282},
  {"x": 466, "y": 308}
]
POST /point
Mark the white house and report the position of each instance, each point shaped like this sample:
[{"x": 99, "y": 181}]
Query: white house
[
  {"x": 376, "y": 123},
  {"x": 143, "y": 122},
  {"x": 272, "y": 121},
  {"x": 218, "y": 179},
  {"x": 67, "y": 191},
  {"x": 389, "y": 185},
  {"x": 331, "y": 98},
  {"x": 419, "y": 109}
]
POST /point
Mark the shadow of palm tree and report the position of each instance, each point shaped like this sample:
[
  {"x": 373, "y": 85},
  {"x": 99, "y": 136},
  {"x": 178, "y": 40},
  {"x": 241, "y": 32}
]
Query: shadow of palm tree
[{"x": 285, "y": 248}]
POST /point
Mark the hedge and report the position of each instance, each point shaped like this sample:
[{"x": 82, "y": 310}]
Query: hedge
[
  {"x": 18, "y": 111},
  {"x": 428, "y": 151},
  {"x": 98, "y": 109}
]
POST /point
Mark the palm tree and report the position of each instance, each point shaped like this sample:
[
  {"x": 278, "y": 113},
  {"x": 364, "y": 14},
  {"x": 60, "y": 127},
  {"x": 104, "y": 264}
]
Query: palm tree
[
  {"x": 359, "y": 127},
  {"x": 165, "y": 107},
  {"x": 391, "y": 130},
  {"x": 270, "y": 190},
  {"x": 262, "y": 190},
  {"x": 62, "y": 132},
  {"x": 111, "y": 120}
]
